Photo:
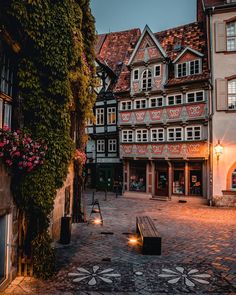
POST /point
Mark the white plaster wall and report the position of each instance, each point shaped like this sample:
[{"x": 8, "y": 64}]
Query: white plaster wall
[{"x": 224, "y": 123}]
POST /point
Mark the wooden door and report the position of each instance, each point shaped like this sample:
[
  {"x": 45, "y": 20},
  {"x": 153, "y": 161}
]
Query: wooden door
[{"x": 162, "y": 182}]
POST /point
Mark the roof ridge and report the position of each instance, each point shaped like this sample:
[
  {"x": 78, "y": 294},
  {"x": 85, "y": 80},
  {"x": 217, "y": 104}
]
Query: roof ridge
[
  {"x": 175, "y": 28},
  {"x": 117, "y": 32}
]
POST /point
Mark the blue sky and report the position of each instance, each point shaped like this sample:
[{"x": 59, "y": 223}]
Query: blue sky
[{"x": 118, "y": 15}]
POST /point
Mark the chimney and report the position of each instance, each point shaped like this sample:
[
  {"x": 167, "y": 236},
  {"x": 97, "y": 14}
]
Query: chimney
[{"x": 200, "y": 11}]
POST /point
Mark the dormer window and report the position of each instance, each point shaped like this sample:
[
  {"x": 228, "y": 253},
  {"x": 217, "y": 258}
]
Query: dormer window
[
  {"x": 136, "y": 74},
  {"x": 188, "y": 68},
  {"x": 194, "y": 67},
  {"x": 146, "y": 80},
  {"x": 157, "y": 71}
]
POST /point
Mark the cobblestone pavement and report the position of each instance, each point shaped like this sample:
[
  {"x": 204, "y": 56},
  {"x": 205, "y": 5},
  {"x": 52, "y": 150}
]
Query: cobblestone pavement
[{"x": 198, "y": 253}]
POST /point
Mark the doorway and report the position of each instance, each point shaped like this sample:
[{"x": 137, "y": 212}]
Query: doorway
[
  {"x": 162, "y": 183},
  {"x": 3, "y": 246},
  {"x": 105, "y": 178}
]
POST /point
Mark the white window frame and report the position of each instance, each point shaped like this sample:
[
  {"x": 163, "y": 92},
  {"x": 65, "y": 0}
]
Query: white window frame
[
  {"x": 157, "y": 131},
  {"x": 159, "y": 66},
  {"x": 141, "y": 100},
  {"x": 187, "y": 68},
  {"x": 147, "y": 80},
  {"x": 112, "y": 145},
  {"x": 135, "y": 71},
  {"x": 100, "y": 116},
  {"x": 156, "y": 100},
  {"x": 124, "y": 105},
  {"x": 125, "y": 135},
  {"x": 141, "y": 132},
  {"x": 231, "y": 36},
  {"x": 110, "y": 111},
  {"x": 175, "y": 137},
  {"x": 195, "y": 96},
  {"x": 194, "y": 137},
  {"x": 100, "y": 145},
  {"x": 175, "y": 99},
  {"x": 232, "y": 95}
]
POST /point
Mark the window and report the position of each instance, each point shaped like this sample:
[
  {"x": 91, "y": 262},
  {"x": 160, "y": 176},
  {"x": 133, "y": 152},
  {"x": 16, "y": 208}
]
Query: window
[
  {"x": 112, "y": 145},
  {"x": 193, "y": 133},
  {"x": 146, "y": 80},
  {"x": 141, "y": 135},
  {"x": 6, "y": 75},
  {"x": 193, "y": 67},
  {"x": 127, "y": 135},
  {"x": 140, "y": 104},
  {"x": 136, "y": 74},
  {"x": 111, "y": 115},
  {"x": 157, "y": 71},
  {"x": 197, "y": 96},
  {"x": 100, "y": 145},
  {"x": 174, "y": 99},
  {"x": 234, "y": 180},
  {"x": 100, "y": 116},
  {"x": 182, "y": 70},
  {"x": 137, "y": 176},
  {"x": 232, "y": 94},
  {"x": 157, "y": 134},
  {"x": 175, "y": 134},
  {"x": 156, "y": 102},
  {"x": 231, "y": 36},
  {"x": 125, "y": 105},
  {"x": 5, "y": 114}
]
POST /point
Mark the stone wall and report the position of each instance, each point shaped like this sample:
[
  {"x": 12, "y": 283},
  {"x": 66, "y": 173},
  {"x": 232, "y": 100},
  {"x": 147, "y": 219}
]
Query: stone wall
[
  {"x": 227, "y": 200},
  {"x": 8, "y": 211},
  {"x": 59, "y": 205}
]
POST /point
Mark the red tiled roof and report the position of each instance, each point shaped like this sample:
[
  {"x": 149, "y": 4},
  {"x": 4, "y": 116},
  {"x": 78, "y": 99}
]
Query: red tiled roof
[
  {"x": 115, "y": 48},
  {"x": 118, "y": 47}
]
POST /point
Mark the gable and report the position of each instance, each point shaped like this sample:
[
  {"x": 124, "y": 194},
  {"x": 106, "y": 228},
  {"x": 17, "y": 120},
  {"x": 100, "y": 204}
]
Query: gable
[
  {"x": 188, "y": 52},
  {"x": 147, "y": 48},
  {"x": 188, "y": 56}
]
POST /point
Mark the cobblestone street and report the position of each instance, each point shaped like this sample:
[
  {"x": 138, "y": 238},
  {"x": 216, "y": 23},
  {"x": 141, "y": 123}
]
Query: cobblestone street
[{"x": 198, "y": 252}]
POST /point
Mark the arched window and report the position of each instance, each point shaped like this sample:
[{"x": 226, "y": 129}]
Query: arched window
[
  {"x": 146, "y": 80},
  {"x": 233, "y": 185}
]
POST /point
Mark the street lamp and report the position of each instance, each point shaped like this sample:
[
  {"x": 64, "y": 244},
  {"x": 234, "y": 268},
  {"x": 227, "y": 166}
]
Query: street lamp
[{"x": 218, "y": 149}]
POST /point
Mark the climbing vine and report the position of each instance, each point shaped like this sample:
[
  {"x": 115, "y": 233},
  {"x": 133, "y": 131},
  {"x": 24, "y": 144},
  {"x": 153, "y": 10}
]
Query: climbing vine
[{"x": 55, "y": 71}]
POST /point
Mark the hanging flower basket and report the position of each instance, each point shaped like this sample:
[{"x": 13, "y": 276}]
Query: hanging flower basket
[{"x": 19, "y": 151}]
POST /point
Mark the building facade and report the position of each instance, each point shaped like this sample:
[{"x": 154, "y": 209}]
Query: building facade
[
  {"x": 8, "y": 210},
  {"x": 164, "y": 114},
  {"x": 220, "y": 22},
  {"x": 104, "y": 165}
]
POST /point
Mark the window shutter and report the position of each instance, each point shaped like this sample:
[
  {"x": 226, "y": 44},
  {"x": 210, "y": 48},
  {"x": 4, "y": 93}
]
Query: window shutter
[
  {"x": 220, "y": 37},
  {"x": 221, "y": 95}
]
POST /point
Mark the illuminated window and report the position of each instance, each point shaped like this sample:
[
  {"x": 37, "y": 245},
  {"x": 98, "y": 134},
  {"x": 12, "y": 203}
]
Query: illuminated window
[
  {"x": 100, "y": 116},
  {"x": 111, "y": 116}
]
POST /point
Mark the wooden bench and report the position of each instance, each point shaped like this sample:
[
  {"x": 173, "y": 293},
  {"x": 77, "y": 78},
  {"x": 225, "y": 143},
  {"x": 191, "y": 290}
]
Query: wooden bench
[{"x": 151, "y": 239}]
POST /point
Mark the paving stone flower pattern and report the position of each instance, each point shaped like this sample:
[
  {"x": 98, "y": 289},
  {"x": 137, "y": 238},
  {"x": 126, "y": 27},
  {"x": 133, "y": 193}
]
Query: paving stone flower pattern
[
  {"x": 94, "y": 275},
  {"x": 179, "y": 274}
]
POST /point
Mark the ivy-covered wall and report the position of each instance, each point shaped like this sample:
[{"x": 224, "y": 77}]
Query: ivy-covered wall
[{"x": 55, "y": 71}]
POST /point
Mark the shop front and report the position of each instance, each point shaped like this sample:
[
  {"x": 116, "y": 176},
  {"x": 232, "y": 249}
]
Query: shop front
[{"x": 166, "y": 178}]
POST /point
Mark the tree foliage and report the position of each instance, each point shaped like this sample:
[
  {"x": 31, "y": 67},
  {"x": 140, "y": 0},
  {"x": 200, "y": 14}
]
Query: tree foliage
[{"x": 55, "y": 72}]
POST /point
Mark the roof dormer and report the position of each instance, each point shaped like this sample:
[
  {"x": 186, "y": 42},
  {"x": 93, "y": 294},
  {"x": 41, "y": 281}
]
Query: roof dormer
[{"x": 188, "y": 63}]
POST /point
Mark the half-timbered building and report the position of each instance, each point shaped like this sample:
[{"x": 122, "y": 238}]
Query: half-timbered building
[
  {"x": 163, "y": 94},
  {"x": 104, "y": 166}
]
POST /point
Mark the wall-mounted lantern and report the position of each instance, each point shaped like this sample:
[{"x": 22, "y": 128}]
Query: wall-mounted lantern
[{"x": 218, "y": 150}]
